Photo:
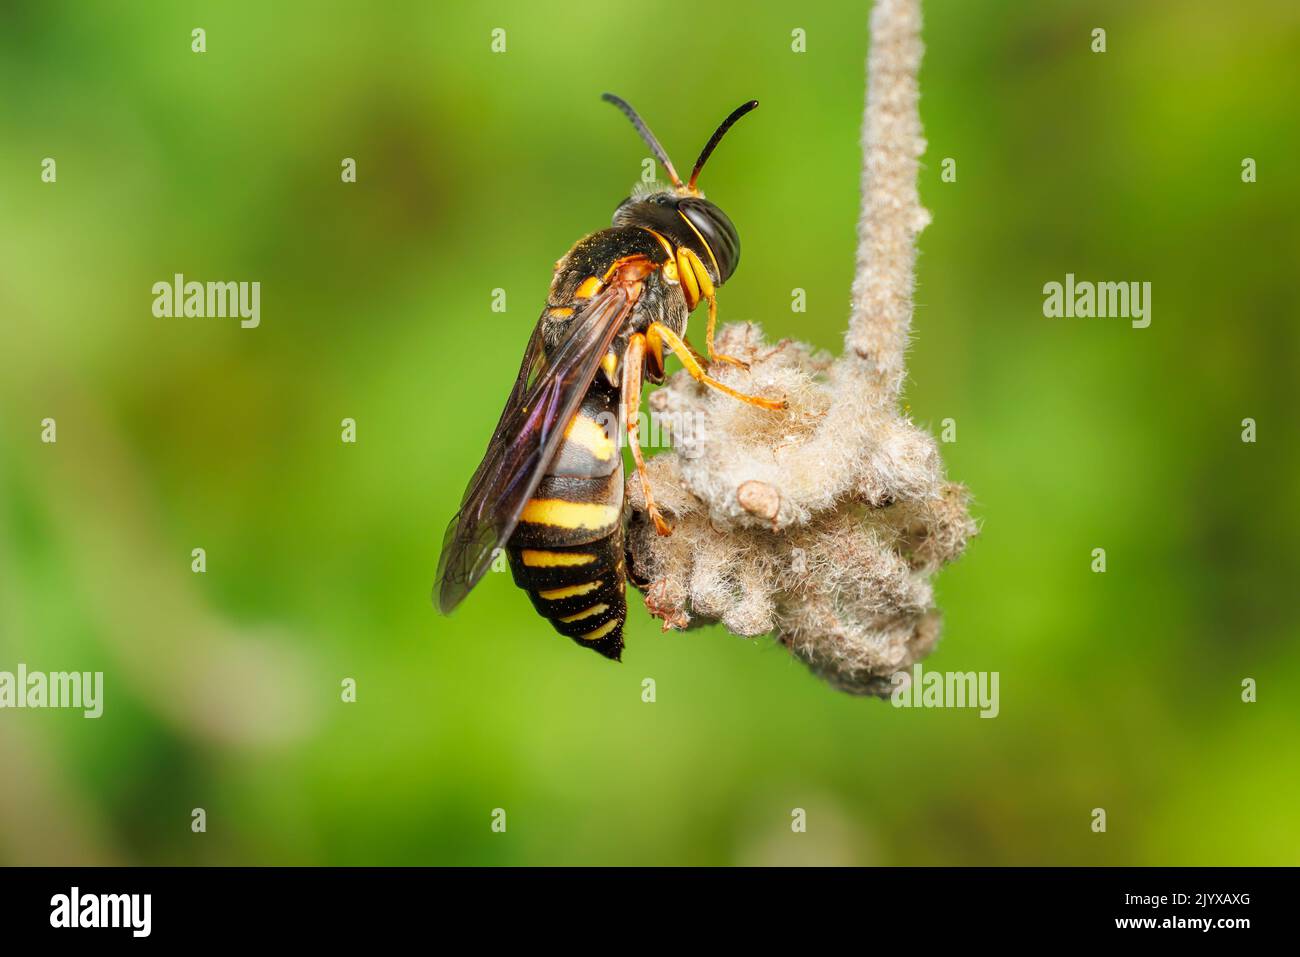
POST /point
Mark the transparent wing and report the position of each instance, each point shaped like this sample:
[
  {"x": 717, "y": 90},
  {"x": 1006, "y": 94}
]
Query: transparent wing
[{"x": 546, "y": 395}]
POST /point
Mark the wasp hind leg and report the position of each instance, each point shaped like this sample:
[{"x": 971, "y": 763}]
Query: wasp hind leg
[
  {"x": 658, "y": 334},
  {"x": 633, "y": 362}
]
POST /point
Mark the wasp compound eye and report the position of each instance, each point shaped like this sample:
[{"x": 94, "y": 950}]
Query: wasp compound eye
[{"x": 717, "y": 231}]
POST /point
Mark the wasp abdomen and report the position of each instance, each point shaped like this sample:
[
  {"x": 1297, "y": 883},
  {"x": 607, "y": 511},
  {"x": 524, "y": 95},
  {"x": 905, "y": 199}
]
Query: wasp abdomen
[{"x": 567, "y": 550}]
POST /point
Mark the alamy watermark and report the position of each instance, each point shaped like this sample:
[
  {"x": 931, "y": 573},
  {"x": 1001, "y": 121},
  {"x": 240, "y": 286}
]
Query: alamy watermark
[
  {"x": 213, "y": 300},
  {"x": 129, "y": 911},
  {"x": 53, "y": 689},
  {"x": 946, "y": 689},
  {"x": 684, "y": 430},
  {"x": 1101, "y": 300}
]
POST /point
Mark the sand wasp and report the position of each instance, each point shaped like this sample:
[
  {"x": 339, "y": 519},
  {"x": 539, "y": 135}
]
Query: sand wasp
[{"x": 550, "y": 487}]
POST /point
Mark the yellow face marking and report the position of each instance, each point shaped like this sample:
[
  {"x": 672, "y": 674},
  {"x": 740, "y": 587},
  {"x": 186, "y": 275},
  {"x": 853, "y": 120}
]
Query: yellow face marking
[
  {"x": 670, "y": 270},
  {"x": 561, "y": 514},
  {"x": 535, "y": 558},
  {"x": 560, "y": 312},
  {"x": 590, "y": 286},
  {"x": 587, "y": 613},
  {"x": 686, "y": 275},
  {"x": 589, "y": 433},
  {"x": 603, "y": 630},
  {"x": 701, "y": 274},
  {"x": 573, "y": 591}
]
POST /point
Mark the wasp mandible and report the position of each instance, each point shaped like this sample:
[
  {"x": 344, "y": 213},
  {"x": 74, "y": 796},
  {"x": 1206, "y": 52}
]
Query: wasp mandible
[{"x": 550, "y": 487}]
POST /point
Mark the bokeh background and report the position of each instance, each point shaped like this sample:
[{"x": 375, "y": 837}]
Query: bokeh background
[{"x": 475, "y": 172}]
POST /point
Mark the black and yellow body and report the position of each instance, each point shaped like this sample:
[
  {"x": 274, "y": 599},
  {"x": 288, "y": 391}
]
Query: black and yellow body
[
  {"x": 550, "y": 489},
  {"x": 567, "y": 550}
]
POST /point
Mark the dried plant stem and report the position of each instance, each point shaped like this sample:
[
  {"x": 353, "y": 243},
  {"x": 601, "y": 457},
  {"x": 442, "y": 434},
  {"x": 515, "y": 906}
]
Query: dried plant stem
[
  {"x": 892, "y": 214},
  {"x": 822, "y": 524}
]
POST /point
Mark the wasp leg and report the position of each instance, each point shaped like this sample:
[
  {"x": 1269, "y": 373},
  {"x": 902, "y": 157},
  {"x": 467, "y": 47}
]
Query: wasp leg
[
  {"x": 654, "y": 351},
  {"x": 697, "y": 285},
  {"x": 699, "y": 356},
  {"x": 658, "y": 330},
  {"x": 708, "y": 338},
  {"x": 633, "y": 360},
  {"x": 654, "y": 357}
]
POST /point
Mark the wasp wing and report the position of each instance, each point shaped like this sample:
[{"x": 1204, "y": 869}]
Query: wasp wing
[{"x": 551, "y": 383}]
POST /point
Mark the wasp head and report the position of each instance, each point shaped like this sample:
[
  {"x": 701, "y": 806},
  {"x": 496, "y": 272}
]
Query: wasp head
[{"x": 690, "y": 220}]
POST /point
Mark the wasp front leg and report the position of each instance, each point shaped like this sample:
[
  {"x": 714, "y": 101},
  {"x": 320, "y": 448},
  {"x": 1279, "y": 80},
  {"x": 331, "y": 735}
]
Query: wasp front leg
[
  {"x": 633, "y": 363},
  {"x": 697, "y": 285},
  {"x": 658, "y": 334},
  {"x": 708, "y": 337}
]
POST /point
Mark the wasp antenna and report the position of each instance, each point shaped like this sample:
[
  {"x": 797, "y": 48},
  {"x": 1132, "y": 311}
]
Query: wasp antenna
[
  {"x": 646, "y": 135},
  {"x": 717, "y": 136}
]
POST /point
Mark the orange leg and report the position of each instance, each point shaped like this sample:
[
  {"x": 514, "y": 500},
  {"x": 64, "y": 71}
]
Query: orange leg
[
  {"x": 697, "y": 285},
  {"x": 708, "y": 338},
  {"x": 658, "y": 331},
  {"x": 633, "y": 360},
  {"x": 699, "y": 356},
  {"x": 654, "y": 356}
]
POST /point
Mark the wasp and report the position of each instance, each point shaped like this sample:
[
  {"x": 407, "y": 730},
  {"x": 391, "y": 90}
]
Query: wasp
[{"x": 550, "y": 488}]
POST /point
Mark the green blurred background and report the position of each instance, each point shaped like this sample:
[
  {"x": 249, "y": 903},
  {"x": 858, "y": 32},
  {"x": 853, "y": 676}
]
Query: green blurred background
[{"x": 475, "y": 172}]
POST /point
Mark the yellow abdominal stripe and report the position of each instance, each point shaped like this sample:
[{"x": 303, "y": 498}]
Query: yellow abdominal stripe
[
  {"x": 536, "y": 558},
  {"x": 603, "y": 630},
  {"x": 572, "y": 591},
  {"x": 563, "y": 514},
  {"x": 586, "y": 613},
  {"x": 590, "y": 434}
]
